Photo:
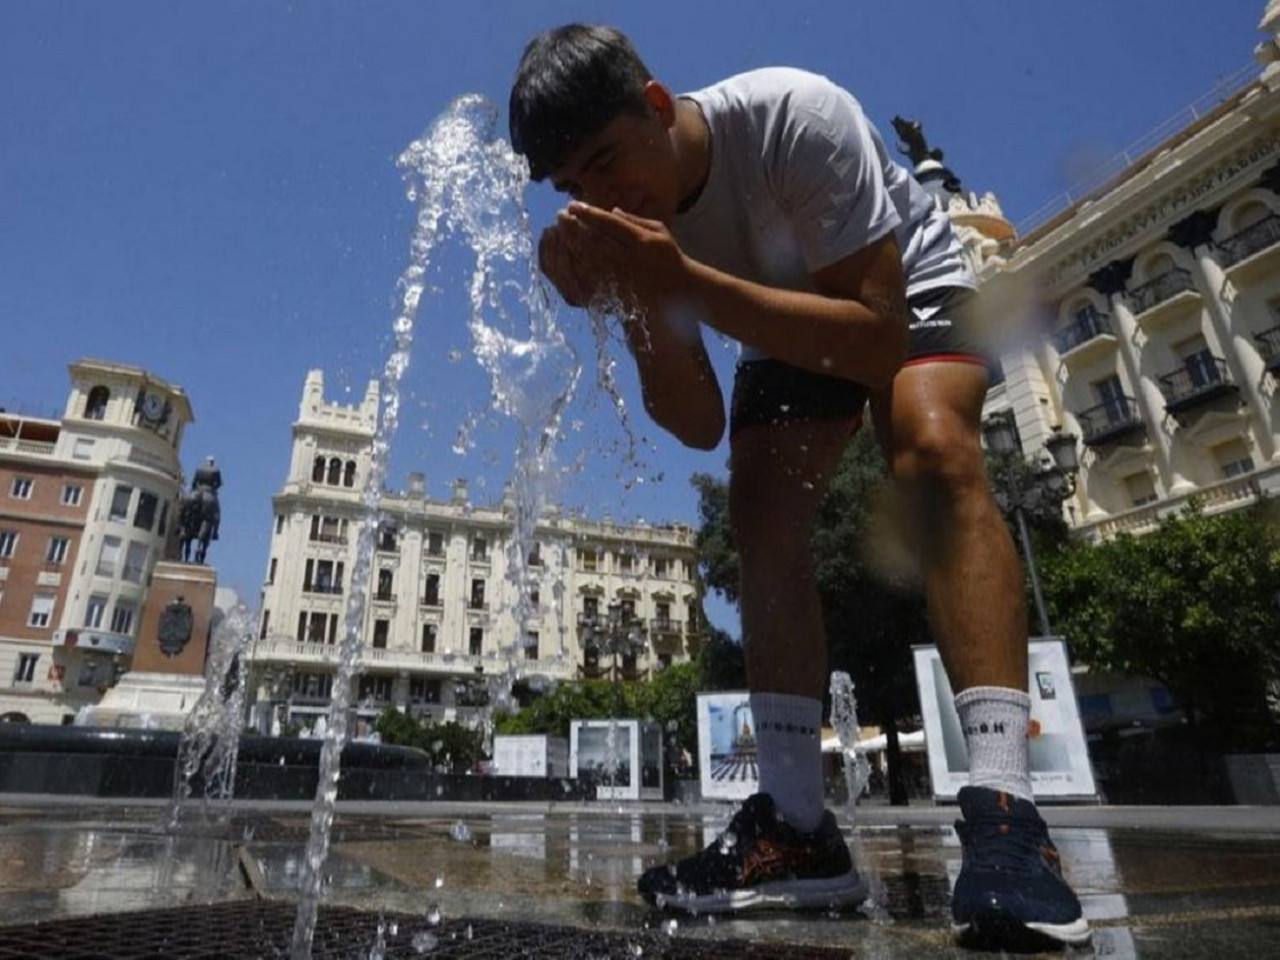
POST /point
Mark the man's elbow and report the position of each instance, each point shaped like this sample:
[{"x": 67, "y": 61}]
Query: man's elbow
[
  {"x": 705, "y": 437},
  {"x": 699, "y": 432}
]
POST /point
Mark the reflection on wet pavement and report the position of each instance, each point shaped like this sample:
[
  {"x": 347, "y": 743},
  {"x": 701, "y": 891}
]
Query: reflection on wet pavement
[{"x": 1149, "y": 894}]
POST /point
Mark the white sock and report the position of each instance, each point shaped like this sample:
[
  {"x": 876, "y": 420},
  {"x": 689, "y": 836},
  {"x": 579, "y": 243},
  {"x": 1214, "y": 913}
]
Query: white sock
[
  {"x": 789, "y": 755},
  {"x": 995, "y": 721}
]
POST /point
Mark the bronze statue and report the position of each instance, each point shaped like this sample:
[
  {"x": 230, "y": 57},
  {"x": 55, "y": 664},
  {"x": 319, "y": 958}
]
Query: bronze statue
[
  {"x": 911, "y": 141},
  {"x": 200, "y": 513}
]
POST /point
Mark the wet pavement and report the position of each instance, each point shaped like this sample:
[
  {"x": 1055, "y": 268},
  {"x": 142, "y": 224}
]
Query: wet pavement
[{"x": 1167, "y": 883}]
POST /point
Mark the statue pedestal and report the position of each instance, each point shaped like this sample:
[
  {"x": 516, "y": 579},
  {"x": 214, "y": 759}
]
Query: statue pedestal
[{"x": 162, "y": 687}]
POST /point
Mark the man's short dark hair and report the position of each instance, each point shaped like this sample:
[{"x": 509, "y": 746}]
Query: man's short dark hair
[{"x": 571, "y": 82}]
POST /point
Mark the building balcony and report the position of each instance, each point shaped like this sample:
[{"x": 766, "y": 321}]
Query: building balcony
[
  {"x": 336, "y": 538},
  {"x": 431, "y": 600},
  {"x": 1204, "y": 378},
  {"x": 1110, "y": 421},
  {"x": 619, "y": 673},
  {"x": 34, "y": 448},
  {"x": 1161, "y": 289},
  {"x": 328, "y": 589},
  {"x": 1230, "y": 494},
  {"x": 384, "y": 596},
  {"x": 95, "y": 641},
  {"x": 279, "y": 650},
  {"x": 479, "y": 606},
  {"x": 1269, "y": 347},
  {"x": 1252, "y": 240},
  {"x": 665, "y": 626},
  {"x": 1090, "y": 328}
]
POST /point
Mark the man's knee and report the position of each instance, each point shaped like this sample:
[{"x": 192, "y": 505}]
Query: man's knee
[{"x": 940, "y": 452}]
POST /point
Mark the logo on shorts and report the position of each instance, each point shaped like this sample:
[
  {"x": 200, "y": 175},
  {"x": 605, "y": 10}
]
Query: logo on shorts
[{"x": 925, "y": 318}]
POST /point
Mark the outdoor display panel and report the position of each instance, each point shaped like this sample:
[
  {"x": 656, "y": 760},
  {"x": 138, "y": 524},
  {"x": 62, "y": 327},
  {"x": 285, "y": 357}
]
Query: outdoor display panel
[
  {"x": 1059, "y": 757},
  {"x": 727, "y": 767},
  {"x": 628, "y": 768}
]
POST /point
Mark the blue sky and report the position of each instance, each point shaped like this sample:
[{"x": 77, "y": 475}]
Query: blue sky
[{"x": 208, "y": 190}]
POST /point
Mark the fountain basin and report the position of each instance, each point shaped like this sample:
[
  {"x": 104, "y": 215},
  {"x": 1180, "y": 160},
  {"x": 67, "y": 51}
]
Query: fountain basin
[{"x": 101, "y": 762}]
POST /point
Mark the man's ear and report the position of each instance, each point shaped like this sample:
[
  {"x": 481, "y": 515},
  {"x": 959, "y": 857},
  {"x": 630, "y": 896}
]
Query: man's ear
[{"x": 661, "y": 101}]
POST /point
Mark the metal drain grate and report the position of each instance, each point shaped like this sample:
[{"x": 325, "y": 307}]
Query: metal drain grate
[{"x": 261, "y": 929}]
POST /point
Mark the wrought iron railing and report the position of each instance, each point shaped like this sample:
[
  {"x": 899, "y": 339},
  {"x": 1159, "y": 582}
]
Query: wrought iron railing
[
  {"x": 1164, "y": 287},
  {"x": 1269, "y": 346},
  {"x": 1203, "y": 374},
  {"x": 666, "y": 625},
  {"x": 1240, "y": 246},
  {"x": 1088, "y": 324},
  {"x": 1110, "y": 420}
]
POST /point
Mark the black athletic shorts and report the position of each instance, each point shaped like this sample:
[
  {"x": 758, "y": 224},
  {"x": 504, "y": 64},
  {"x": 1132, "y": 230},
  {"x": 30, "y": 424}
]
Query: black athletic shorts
[{"x": 769, "y": 391}]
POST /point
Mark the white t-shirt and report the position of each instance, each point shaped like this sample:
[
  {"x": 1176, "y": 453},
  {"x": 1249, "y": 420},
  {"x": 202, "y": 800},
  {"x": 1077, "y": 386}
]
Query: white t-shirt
[{"x": 800, "y": 179}]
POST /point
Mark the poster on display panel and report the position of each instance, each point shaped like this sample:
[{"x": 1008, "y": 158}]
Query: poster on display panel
[
  {"x": 1060, "y": 767},
  {"x": 727, "y": 746}
]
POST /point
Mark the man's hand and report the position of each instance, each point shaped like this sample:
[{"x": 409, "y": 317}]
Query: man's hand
[
  {"x": 640, "y": 255},
  {"x": 571, "y": 269}
]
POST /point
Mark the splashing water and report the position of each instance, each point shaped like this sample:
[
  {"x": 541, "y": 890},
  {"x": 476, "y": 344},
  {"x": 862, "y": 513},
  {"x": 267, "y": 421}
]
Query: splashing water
[
  {"x": 211, "y": 734},
  {"x": 844, "y": 718},
  {"x": 469, "y": 185}
]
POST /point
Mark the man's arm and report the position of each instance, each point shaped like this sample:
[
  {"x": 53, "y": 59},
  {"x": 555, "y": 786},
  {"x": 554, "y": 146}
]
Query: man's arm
[
  {"x": 680, "y": 388},
  {"x": 677, "y": 381},
  {"x": 854, "y": 326}
]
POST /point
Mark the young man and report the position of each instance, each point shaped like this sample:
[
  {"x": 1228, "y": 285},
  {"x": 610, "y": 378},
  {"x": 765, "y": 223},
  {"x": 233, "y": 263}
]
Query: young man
[{"x": 767, "y": 207}]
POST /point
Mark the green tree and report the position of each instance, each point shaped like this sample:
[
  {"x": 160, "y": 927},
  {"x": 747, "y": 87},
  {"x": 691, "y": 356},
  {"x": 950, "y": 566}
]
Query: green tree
[
  {"x": 1192, "y": 604},
  {"x": 669, "y": 699},
  {"x": 452, "y": 747},
  {"x": 872, "y": 609},
  {"x": 722, "y": 663}
]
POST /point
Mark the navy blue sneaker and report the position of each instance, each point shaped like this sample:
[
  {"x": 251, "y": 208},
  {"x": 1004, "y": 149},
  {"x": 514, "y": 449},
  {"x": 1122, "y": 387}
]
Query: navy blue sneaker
[
  {"x": 760, "y": 862},
  {"x": 1010, "y": 894}
]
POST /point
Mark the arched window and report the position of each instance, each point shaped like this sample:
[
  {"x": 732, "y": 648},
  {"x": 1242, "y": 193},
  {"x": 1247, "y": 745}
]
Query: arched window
[
  {"x": 335, "y": 471},
  {"x": 349, "y": 475},
  {"x": 1158, "y": 265},
  {"x": 96, "y": 406},
  {"x": 317, "y": 471},
  {"x": 1250, "y": 214}
]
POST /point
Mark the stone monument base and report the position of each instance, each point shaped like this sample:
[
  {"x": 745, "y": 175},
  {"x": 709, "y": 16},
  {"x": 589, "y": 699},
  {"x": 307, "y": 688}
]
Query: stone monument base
[{"x": 147, "y": 701}]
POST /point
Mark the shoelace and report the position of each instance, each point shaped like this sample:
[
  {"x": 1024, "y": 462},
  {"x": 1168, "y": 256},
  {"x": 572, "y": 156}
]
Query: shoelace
[{"x": 1018, "y": 848}]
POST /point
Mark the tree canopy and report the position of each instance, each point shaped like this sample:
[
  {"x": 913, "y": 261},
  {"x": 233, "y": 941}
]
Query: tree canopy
[{"x": 1192, "y": 604}]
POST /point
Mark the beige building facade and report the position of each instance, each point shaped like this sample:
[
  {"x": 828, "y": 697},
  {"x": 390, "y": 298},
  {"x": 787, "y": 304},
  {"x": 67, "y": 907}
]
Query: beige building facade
[
  {"x": 442, "y": 598},
  {"x": 1152, "y": 316},
  {"x": 87, "y": 502}
]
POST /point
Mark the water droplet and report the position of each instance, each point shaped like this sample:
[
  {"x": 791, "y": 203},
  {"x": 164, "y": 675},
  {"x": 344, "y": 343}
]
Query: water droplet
[
  {"x": 670, "y": 927},
  {"x": 460, "y": 832},
  {"x": 433, "y": 915},
  {"x": 424, "y": 942}
]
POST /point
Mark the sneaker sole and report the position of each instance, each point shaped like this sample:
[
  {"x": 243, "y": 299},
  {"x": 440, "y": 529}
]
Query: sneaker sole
[
  {"x": 848, "y": 890},
  {"x": 995, "y": 929}
]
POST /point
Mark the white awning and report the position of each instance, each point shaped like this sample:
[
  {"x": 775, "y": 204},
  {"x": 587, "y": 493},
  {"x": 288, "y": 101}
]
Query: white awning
[{"x": 912, "y": 742}]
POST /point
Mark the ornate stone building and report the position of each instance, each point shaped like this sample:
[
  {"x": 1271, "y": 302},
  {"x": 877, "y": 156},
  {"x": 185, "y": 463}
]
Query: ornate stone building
[
  {"x": 1149, "y": 314},
  {"x": 86, "y": 506},
  {"x": 441, "y": 606}
]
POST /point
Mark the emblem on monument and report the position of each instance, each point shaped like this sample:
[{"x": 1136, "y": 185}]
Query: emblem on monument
[{"x": 174, "y": 630}]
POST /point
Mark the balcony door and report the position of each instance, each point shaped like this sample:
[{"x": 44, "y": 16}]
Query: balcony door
[{"x": 1110, "y": 393}]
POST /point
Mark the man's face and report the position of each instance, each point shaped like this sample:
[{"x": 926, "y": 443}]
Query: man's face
[{"x": 629, "y": 164}]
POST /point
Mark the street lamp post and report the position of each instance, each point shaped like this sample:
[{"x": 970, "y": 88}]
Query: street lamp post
[
  {"x": 621, "y": 633},
  {"x": 1049, "y": 485}
]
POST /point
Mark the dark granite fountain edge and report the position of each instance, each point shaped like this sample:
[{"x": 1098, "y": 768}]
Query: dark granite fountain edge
[{"x": 96, "y": 762}]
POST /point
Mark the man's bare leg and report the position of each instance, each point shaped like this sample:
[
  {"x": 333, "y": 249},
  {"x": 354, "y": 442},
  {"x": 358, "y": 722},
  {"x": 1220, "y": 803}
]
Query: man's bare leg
[
  {"x": 778, "y": 473},
  {"x": 928, "y": 424}
]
